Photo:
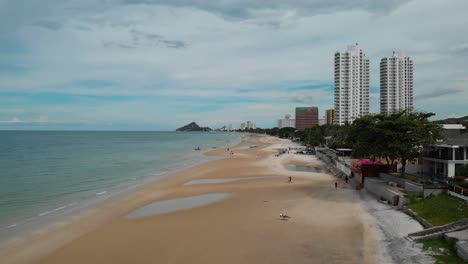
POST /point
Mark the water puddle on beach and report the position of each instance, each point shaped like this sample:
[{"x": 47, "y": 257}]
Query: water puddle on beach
[
  {"x": 245, "y": 147},
  {"x": 213, "y": 181},
  {"x": 293, "y": 167},
  {"x": 167, "y": 206}
]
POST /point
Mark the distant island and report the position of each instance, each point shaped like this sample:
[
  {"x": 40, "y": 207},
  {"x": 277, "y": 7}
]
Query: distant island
[{"x": 193, "y": 127}]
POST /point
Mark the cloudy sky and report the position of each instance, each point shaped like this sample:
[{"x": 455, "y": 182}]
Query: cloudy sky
[{"x": 159, "y": 64}]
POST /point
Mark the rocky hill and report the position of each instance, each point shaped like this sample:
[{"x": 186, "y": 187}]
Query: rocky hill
[
  {"x": 193, "y": 127},
  {"x": 459, "y": 120}
]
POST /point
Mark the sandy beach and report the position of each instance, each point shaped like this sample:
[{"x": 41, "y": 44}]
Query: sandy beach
[{"x": 326, "y": 225}]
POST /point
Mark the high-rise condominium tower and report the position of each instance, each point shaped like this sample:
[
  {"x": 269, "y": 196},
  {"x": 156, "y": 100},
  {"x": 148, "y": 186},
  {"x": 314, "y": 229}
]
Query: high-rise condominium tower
[
  {"x": 351, "y": 85},
  {"x": 396, "y": 84}
]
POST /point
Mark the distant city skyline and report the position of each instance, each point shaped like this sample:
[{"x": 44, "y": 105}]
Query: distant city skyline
[{"x": 157, "y": 65}]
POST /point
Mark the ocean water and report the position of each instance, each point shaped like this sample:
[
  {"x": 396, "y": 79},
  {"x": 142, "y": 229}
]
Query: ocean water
[{"x": 48, "y": 173}]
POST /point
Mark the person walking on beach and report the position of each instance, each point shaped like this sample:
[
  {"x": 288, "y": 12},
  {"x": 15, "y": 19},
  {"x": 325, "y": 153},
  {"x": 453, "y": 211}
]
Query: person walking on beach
[
  {"x": 336, "y": 185},
  {"x": 290, "y": 179},
  {"x": 346, "y": 179}
]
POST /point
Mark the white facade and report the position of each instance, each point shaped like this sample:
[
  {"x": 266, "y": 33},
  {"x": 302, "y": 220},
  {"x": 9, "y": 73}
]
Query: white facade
[
  {"x": 351, "y": 85},
  {"x": 242, "y": 126},
  {"x": 249, "y": 125},
  {"x": 442, "y": 159},
  {"x": 286, "y": 122},
  {"x": 396, "y": 84}
]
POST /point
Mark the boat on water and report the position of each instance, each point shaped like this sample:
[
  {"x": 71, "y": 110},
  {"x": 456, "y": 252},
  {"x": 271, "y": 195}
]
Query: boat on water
[{"x": 197, "y": 148}]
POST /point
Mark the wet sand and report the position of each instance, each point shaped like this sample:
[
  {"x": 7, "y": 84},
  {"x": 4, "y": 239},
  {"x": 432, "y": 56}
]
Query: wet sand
[{"x": 325, "y": 225}]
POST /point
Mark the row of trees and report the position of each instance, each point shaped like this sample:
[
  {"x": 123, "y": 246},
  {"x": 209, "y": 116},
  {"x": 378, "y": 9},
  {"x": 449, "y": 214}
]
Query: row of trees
[{"x": 400, "y": 136}]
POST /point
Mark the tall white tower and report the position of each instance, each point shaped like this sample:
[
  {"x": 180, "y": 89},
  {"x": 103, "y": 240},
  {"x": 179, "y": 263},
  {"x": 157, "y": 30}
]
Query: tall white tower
[
  {"x": 351, "y": 85},
  {"x": 396, "y": 84}
]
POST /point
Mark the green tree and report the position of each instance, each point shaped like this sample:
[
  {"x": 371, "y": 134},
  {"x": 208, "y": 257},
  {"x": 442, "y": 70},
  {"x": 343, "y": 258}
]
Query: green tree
[
  {"x": 412, "y": 131},
  {"x": 366, "y": 141},
  {"x": 286, "y": 132},
  {"x": 398, "y": 136}
]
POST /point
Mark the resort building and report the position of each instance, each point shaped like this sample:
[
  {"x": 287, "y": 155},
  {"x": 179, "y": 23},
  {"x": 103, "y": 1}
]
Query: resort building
[
  {"x": 242, "y": 126},
  {"x": 286, "y": 122},
  {"x": 396, "y": 84},
  {"x": 351, "y": 85},
  {"x": 442, "y": 160},
  {"x": 330, "y": 116},
  {"x": 306, "y": 117}
]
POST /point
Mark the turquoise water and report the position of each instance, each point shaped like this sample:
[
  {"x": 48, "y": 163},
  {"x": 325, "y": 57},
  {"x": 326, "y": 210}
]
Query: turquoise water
[{"x": 43, "y": 172}]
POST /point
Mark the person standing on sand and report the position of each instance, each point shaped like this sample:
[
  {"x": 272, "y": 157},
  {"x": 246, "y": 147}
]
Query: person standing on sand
[
  {"x": 346, "y": 179},
  {"x": 336, "y": 185},
  {"x": 290, "y": 179}
]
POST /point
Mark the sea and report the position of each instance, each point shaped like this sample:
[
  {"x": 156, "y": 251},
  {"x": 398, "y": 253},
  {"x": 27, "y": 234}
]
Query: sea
[{"x": 47, "y": 175}]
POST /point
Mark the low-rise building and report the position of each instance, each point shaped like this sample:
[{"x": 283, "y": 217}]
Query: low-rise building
[{"x": 443, "y": 159}]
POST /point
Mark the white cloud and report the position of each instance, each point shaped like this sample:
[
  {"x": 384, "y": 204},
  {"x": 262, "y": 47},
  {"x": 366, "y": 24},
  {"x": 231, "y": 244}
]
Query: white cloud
[
  {"x": 14, "y": 120},
  {"x": 222, "y": 47}
]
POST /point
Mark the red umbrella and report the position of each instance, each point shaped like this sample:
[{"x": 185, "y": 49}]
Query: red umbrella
[
  {"x": 365, "y": 161},
  {"x": 378, "y": 162}
]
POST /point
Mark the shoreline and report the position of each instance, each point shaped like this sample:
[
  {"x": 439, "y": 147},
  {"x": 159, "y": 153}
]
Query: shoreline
[
  {"x": 65, "y": 243},
  {"x": 326, "y": 225},
  {"x": 50, "y": 218}
]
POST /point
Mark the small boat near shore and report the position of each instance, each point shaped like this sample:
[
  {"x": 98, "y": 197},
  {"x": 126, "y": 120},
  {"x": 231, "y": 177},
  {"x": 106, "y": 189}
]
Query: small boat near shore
[{"x": 197, "y": 148}]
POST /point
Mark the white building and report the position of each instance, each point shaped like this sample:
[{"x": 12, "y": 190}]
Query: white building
[
  {"x": 351, "y": 85},
  {"x": 242, "y": 126},
  {"x": 286, "y": 122},
  {"x": 443, "y": 160},
  {"x": 322, "y": 121},
  {"x": 249, "y": 125},
  {"x": 396, "y": 84}
]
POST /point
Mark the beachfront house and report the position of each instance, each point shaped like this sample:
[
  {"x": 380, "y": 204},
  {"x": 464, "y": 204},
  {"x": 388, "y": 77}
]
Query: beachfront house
[{"x": 443, "y": 159}]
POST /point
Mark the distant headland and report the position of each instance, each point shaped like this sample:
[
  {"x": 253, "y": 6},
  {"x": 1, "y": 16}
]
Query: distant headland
[{"x": 193, "y": 127}]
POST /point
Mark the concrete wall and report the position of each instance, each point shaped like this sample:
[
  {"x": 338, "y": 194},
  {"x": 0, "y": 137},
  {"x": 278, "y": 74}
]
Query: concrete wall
[
  {"x": 343, "y": 168},
  {"x": 323, "y": 157},
  {"x": 462, "y": 249},
  {"x": 428, "y": 192},
  {"x": 409, "y": 186},
  {"x": 413, "y": 187},
  {"x": 390, "y": 178},
  {"x": 380, "y": 188},
  {"x": 458, "y": 195}
]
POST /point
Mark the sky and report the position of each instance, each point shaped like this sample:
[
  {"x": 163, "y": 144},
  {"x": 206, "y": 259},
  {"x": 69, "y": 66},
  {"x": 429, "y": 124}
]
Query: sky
[{"x": 160, "y": 64}]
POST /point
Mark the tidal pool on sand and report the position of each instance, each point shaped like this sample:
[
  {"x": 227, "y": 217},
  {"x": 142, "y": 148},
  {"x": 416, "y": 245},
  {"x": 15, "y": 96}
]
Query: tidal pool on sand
[
  {"x": 167, "y": 206},
  {"x": 293, "y": 167}
]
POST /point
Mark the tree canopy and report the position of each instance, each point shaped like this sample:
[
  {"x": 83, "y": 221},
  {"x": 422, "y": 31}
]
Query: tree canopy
[{"x": 399, "y": 136}]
